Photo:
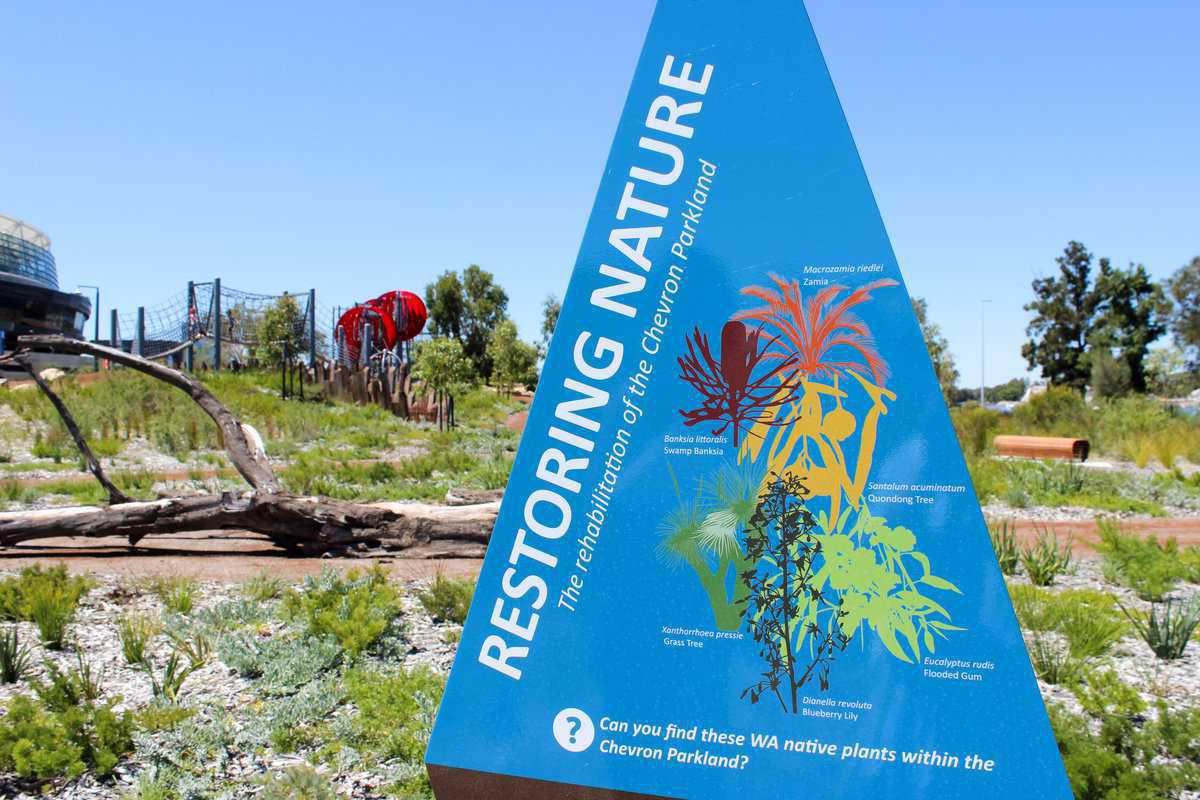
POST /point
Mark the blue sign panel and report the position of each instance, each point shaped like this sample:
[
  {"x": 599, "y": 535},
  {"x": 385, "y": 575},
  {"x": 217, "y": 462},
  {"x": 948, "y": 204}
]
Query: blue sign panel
[{"x": 739, "y": 555}]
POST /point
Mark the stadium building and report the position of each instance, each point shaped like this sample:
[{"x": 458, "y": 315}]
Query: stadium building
[{"x": 30, "y": 300}]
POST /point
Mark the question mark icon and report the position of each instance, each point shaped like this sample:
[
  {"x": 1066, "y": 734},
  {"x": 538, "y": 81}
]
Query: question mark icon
[{"x": 574, "y": 730}]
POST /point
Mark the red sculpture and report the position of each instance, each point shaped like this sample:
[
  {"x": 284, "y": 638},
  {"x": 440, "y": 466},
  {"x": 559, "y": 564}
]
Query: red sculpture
[{"x": 393, "y": 317}]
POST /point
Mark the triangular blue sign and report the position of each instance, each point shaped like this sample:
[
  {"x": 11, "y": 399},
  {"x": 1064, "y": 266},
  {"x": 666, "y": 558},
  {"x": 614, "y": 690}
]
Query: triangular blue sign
[{"x": 739, "y": 555}]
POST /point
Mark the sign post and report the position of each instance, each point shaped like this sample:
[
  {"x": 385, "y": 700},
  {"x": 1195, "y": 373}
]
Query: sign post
[{"x": 739, "y": 554}]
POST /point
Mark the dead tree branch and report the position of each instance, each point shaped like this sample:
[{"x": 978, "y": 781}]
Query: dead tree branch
[
  {"x": 115, "y": 495},
  {"x": 306, "y": 525}
]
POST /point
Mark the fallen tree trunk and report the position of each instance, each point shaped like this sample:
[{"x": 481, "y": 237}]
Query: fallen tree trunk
[
  {"x": 305, "y": 525},
  {"x": 302, "y": 524}
]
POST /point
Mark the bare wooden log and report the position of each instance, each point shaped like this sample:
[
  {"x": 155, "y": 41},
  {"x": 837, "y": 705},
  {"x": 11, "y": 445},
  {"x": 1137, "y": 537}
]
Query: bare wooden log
[
  {"x": 252, "y": 464},
  {"x": 305, "y": 524},
  {"x": 115, "y": 495}
]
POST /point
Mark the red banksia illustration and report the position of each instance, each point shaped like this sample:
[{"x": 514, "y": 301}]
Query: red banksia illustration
[
  {"x": 732, "y": 394},
  {"x": 813, "y": 329}
]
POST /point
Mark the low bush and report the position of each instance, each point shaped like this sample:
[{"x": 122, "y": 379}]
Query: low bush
[
  {"x": 1113, "y": 752},
  {"x": 358, "y": 609},
  {"x": 395, "y": 716},
  {"x": 17, "y": 592},
  {"x": 1168, "y": 627},
  {"x": 176, "y": 594},
  {"x": 1004, "y": 543},
  {"x": 1150, "y": 569},
  {"x": 135, "y": 632},
  {"x": 448, "y": 599},
  {"x": 37, "y": 741},
  {"x": 16, "y": 662},
  {"x": 263, "y": 587},
  {"x": 1045, "y": 559},
  {"x": 300, "y": 782},
  {"x": 79, "y": 686}
]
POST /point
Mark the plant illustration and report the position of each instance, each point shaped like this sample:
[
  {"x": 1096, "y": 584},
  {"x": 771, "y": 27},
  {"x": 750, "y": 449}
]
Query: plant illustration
[
  {"x": 823, "y": 335},
  {"x": 879, "y": 579},
  {"x": 798, "y": 628},
  {"x": 705, "y": 533},
  {"x": 732, "y": 394}
]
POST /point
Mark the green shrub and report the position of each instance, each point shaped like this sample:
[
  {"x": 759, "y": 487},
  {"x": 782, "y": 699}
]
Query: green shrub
[
  {"x": 262, "y": 587},
  {"x": 1058, "y": 411},
  {"x": 39, "y": 742},
  {"x": 395, "y": 716},
  {"x": 448, "y": 599},
  {"x": 1045, "y": 559},
  {"x": 1052, "y": 660},
  {"x": 300, "y": 782},
  {"x": 176, "y": 594},
  {"x": 135, "y": 632},
  {"x": 167, "y": 684},
  {"x": 52, "y": 608},
  {"x": 1168, "y": 626},
  {"x": 1150, "y": 569},
  {"x": 1004, "y": 543},
  {"x": 975, "y": 427},
  {"x": 16, "y": 662},
  {"x": 1130, "y": 757},
  {"x": 279, "y": 664},
  {"x": 358, "y": 609},
  {"x": 67, "y": 690},
  {"x": 17, "y": 592}
]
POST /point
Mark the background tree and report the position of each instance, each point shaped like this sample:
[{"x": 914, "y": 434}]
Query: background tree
[
  {"x": 513, "y": 361},
  {"x": 446, "y": 303},
  {"x": 939, "y": 349},
  {"x": 1132, "y": 311},
  {"x": 469, "y": 309},
  {"x": 551, "y": 309},
  {"x": 1110, "y": 375},
  {"x": 487, "y": 307},
  {"x": 1184, "y": 287},
  {"x": 442, "y": 366},
  {"x": 281, "y": 323},
  {"x": 1063, "y": 309}
]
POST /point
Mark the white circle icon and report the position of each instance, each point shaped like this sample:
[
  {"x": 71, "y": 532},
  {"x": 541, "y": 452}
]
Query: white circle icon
[{"x": 573, "y": 730}]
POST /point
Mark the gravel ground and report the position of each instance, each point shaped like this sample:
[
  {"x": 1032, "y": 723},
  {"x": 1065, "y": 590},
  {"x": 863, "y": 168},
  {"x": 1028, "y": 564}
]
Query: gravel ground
[
  {"x": 214, "y": 688},
  {"x": 221, "y": 690}
]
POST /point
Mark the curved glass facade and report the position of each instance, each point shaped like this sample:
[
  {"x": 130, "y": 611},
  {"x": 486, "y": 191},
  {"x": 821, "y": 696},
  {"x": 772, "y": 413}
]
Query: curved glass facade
[{"x": 25, "y": 259}]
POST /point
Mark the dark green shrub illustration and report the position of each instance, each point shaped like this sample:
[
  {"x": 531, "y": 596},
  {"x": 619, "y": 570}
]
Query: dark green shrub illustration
[{"x": 799, "y": 630}]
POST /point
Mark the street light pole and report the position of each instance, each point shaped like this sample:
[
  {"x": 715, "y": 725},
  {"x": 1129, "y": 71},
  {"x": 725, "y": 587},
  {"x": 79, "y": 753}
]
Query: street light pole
[
  {"x": 982, "y": 350},
  {"x": 95, "y": 322}
]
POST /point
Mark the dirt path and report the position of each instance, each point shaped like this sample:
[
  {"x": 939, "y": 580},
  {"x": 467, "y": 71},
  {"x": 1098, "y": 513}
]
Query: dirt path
[{"x": 1086, "y": 535}]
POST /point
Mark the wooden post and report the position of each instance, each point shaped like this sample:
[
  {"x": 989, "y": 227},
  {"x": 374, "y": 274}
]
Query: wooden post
[
  {"x": 312, "y": 328},
  {"x": 140, "y": 344},
  {"x": 191, "y": 303},
  {"x": 216, "y": 324}
]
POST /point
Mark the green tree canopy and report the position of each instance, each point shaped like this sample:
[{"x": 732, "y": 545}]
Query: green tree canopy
[
  {"x": 1184, "y": 286},
  {"x": 1131, "y": 313},
  {"x": 282, "y": 323},
  {"x": 939, "y": 349},
  {"x": 469, "y": 309},
  {"x": 1078, "y": 313},
  {"x": 513, "y": 361},
  {"x": 1063, "y": 308},
  {"x": 446, "y": 303},
  {"x": 551, "y": 309},
  {"x": 444, "y": 369}
]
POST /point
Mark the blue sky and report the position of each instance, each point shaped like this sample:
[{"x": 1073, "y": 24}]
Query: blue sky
[{"x": 366, "y": 146}]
